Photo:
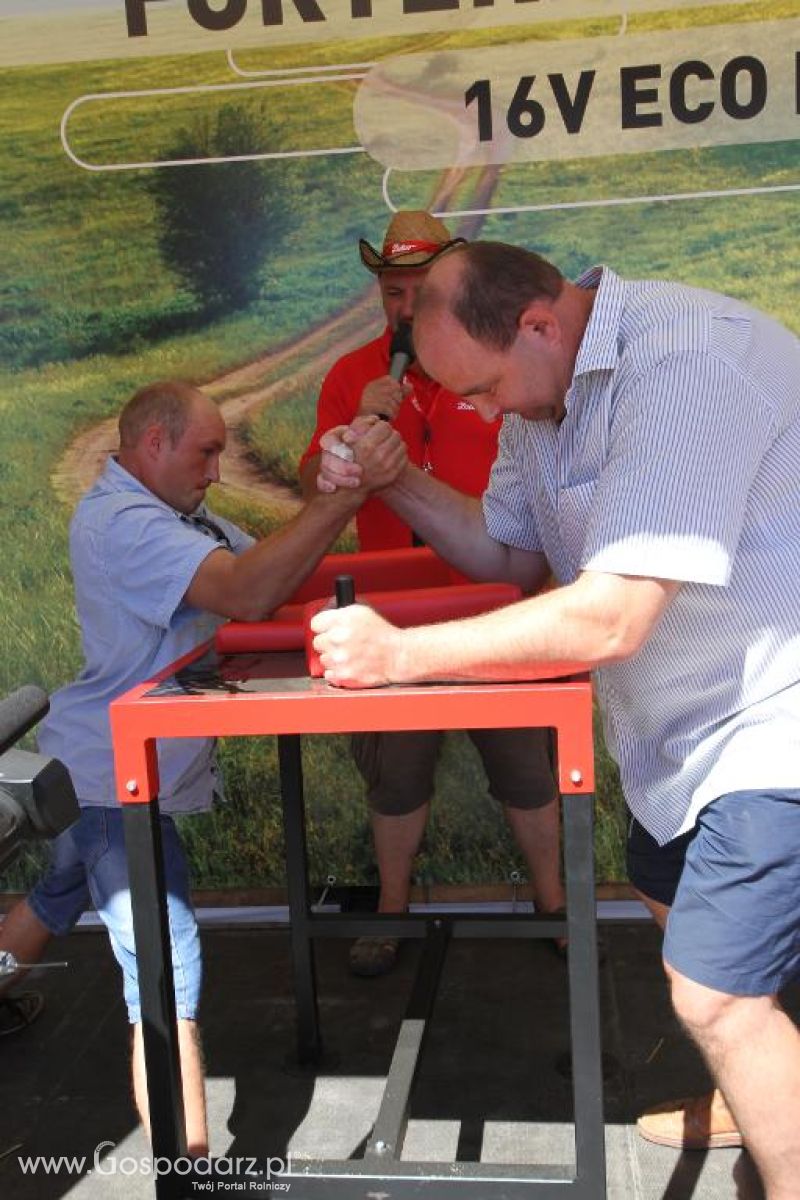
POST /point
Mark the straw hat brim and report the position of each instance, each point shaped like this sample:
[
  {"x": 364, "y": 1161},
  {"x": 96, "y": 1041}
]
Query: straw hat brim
[{"x": 374, "y": 261}]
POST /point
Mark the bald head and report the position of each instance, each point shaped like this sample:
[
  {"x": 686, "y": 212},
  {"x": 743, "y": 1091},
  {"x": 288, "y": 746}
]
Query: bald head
[
  {"x": 442, "y": 282},
  {"x": 171, "y": 438},
  {"x": 486, "y": 286},
  {"x": 168, "y": 403},
  {"x": 501, "y": 327}
]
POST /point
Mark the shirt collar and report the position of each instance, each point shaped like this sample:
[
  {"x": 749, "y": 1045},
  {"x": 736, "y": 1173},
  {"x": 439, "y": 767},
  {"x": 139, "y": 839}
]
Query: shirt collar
[
  {"x": 599, "y": 348},
  {"x": 116, "y": 479}
]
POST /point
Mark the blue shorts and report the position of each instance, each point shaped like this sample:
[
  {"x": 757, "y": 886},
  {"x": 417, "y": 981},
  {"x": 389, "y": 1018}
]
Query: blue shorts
[
  {"x": 88, "y": 865},
  {"x": 735, "y": 922},
  {"x": 653, "y": 869}
]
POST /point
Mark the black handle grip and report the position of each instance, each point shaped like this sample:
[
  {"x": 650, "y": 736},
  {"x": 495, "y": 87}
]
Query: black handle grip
[{"x": 345, "y": 591}]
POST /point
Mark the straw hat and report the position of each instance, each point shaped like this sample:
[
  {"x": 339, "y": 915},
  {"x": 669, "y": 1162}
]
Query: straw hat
[{"x": 413, "y": 239}]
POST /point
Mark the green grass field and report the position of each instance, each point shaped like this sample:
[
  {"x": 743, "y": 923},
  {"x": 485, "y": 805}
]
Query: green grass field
[{"x": 89, "y": 312}]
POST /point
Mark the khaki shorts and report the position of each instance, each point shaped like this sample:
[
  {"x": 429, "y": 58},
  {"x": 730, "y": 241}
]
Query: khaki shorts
[{"x": 399, "y": 768}]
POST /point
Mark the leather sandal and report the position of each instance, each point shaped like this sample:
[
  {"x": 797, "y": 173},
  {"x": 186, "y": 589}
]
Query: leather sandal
[
  {"x": 370, "y": 956},
  {"x": 694, "y": 1123}
]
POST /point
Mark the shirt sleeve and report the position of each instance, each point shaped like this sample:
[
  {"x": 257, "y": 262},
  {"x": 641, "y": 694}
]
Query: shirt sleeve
[
  {"x": 507, "y": 508},
  {"x": 150, "y": 559},
  {"x": 686, "y": 441},
  {"x": 239, "y": 540}
]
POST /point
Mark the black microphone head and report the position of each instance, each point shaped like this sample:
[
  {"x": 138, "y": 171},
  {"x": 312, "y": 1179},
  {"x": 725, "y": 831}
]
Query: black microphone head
[
  {"x": 19, "y": 711},
  {"x": 402, "y": 342}
]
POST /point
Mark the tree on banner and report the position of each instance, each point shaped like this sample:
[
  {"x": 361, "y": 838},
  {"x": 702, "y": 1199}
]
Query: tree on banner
[{"x": 217, "y": 220}]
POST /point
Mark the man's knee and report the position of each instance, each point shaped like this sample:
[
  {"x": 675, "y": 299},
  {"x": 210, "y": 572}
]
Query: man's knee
[
  {"x": 398, "y": 769},
  {"x": 395, "y": 802},
  {"x": 709, "y": 1014}
]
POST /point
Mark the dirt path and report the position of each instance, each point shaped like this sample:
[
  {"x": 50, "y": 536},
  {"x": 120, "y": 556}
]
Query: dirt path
[
  {"x": 246, "y": 389},
  {"x": 85, "y": 457}
]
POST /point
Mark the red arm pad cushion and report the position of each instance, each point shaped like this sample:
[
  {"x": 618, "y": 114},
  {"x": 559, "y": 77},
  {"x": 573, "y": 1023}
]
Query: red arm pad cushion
[
  {"x": 387, "y": 571},
  {"x": 377, "y": 570},
  {"x": 420, "y": 606},
  {"x": 284, "y": 631}
]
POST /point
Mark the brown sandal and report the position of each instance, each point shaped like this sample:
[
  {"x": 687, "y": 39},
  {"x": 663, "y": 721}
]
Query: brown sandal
[
  {"x": 370, "y": 956},
  {"x": 693, "y": 1123}
]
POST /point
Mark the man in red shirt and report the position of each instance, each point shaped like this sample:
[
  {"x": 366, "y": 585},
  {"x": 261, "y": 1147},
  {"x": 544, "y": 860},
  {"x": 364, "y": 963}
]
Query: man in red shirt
[{"x": 444, "y": 435}]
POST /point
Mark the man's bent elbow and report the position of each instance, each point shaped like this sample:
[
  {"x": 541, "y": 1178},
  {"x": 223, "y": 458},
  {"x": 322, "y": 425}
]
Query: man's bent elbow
[
  {"x": 620, "y": 642},
  {"x": 249, "y": 612},
  {"x": 619, "y": 614},
  {"x": 257, "y": 608}
]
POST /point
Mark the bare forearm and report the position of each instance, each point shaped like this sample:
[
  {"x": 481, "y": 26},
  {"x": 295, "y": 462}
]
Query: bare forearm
[
  {"x": 524, "y": 641},
  {"x": 453, "y": 524},
  {"x": 273, "y": 570},
  {"x": 449, "y": 521},
  {"x": 597, "y": 620},
  {"x": 600, "y": 618},
  {"x": 307, "y": 478},
  {"x": 248, "y": 587}
]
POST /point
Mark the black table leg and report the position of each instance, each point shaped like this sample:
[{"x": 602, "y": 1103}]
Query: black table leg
[
  {"x": 309, "y": 1043},
  {"x": 587, "y": 1078},
  {"x": 156, "y": 991}
]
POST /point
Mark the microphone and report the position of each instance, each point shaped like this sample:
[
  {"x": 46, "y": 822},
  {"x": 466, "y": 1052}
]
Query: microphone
[
  {"x": 401, "y": 351},
  {"x": 19, "y": 712}
]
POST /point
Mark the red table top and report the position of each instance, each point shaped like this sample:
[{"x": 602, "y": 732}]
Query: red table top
[{"x": 203, "y": 695}]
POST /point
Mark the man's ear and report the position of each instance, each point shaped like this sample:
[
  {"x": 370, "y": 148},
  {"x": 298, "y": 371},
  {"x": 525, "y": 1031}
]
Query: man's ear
[
  {"x": 538, "y": 320},
  {"x": 152, "y": 440}
]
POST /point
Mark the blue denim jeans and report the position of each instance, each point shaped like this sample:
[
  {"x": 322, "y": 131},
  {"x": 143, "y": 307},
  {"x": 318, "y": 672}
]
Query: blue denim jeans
[{"x": 88, "y": 866}]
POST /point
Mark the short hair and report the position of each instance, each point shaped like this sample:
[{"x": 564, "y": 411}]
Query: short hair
[
  {"x": 167, "y": 402},
  {"x": 495, "y": 287}
]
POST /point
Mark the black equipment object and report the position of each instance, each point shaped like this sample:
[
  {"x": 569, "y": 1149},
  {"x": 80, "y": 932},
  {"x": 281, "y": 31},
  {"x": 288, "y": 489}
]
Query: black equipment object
[
  {"x": 345, "y": 591},
  {"x": 37, "y": 799},
  {"x": 401, "y": 351}
]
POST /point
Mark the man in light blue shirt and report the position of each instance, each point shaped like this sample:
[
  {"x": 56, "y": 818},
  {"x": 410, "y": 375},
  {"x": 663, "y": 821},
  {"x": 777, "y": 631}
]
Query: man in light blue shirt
[
  {"x": 649, "y": 458},
  {"x": 154, "y": 574}
]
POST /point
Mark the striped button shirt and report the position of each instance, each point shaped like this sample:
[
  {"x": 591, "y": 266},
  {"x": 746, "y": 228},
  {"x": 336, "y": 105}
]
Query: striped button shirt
[{"x": 678, "y": 458}]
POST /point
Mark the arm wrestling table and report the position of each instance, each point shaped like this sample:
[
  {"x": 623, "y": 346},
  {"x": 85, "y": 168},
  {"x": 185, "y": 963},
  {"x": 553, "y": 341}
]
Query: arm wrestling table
[{"x": 207, "y": 695}]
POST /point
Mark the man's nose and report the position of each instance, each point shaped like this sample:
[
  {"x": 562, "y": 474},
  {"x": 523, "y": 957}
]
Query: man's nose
[{"x": 212, "y": 470}]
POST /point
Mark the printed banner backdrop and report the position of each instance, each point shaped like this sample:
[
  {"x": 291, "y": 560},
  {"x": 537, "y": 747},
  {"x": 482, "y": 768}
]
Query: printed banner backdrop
[{"x": 184, "y": 186}]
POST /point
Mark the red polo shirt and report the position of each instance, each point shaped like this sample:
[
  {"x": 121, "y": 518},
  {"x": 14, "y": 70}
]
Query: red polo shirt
[{"x": 442, "y": 432}]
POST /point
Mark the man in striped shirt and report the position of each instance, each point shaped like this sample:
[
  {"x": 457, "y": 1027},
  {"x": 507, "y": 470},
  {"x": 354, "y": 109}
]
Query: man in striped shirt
[{"x": 649, "y": 458}]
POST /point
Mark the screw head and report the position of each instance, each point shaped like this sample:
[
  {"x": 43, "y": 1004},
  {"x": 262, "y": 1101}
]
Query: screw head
[
  {"x": 381, "y": 1147},
  {"x": 132, "y": 786},
  {"x": 576, "y": 776}
]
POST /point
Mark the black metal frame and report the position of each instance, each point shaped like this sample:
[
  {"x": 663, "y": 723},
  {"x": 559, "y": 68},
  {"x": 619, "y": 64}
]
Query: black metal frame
[
  {"x": 381, "y": 1170},
  {"x": 381, "y": 1163}
]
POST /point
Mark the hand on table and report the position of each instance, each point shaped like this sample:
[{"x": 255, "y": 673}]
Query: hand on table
[{"x": 357, "y": 648}]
